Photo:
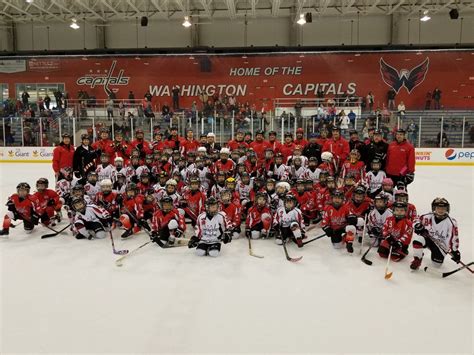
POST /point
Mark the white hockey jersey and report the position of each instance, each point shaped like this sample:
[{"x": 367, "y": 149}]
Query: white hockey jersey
[
  {"x": 377, "y": 219},
  {"x": 374, "y": 181},
  {"x": 281, "y": 173},
  {"x": 203, "y": 177},
  {"x": 142, "y": 169},
  {"x": 116, "y": 172},
  {"x": 244, "y": 190},
  {"x": 210, "y": 231},
  {"x": 105, "y": 172},
  {"x": 313, "y": 175},
  {"x": 444, "y": 232},
  {"x": 285, "y": 219},
  {"x": 63, "y": 187},
  {"x": 91, "y": 190},
  {"x": 300, "y": 173}
]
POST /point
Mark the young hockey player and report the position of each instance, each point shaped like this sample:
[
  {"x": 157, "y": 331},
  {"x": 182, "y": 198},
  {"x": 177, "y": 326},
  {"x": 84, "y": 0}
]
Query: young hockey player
[
  {"x": 145, "y": 183},
  {"x": 402, "y": 196},
  {"x": 313, "y": 171},
  {"x": 327, "y": 163},
  {"x": 204, "y": 174},
  {"x": 288, "y": 222},
  {"x": 224, "y": 164},
  {"x": 105, "y": 170},
  {"x": 170, "y": 190},
  {"x": 63, "y": 186},
  {"x": 359, "y": 205},
  {"x": 91, "y": 187},
  {"x": 339, "y": 222},
  {"x": 232, "y": 211},
  {"x": 108, "y": 199},
  {"x": 150, "y": 207},
  {"x": 119, "y": 168},
  {"x": 354, "y": 166},
  {"x": 374, "y": 178},
  {"x": 281, "y": 171},
  {"x": 397, "y": 233},
  {"x": 259, "y": 218},
  {"x": 20, "y": 206},
  {"x": 90, "y": 221},
  {"x": 219, "y": 185},
  {"x": 168, "y": 224},
  {"x": 193, "y": 201},
  {"x": 47, "y": 203},
  {"x": 244, "y": 186},
  {"x": 437, "y": 231},
  {"x": 377, "y": 217},
  {"x": 146, "y": 167},
  {"x": 212, "y": 228},
  {"x": 282, "y": 189},
  {"x": 132, "y": 211},
  {"x": 120, "y": 184},
  {"x": 387, "y": 188},
  {"x": 297, "y": 169},
  {"x": 231, "y": 185},
  {"x": 303, "y": 198}
]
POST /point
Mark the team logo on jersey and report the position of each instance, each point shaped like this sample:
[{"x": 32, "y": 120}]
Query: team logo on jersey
[
  {"x": 450, "y": 154},
  {"x": 105, "y": 79},
  {"x": 408, "y": 78}
]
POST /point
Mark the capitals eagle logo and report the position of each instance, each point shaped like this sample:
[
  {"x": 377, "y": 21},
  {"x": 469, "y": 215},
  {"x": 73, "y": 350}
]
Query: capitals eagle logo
[{"x": 410, "y": 79}]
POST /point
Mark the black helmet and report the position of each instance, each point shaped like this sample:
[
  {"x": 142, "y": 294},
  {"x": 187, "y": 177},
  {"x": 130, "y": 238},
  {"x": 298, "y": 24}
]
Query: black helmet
[
  {"x": 78, "y": 204},
  {"x": 23, "y": 185},
  {"x": 441, "y": 202},
  {"x": 85, "y": 136},
  {"x": 42, "y": 181}
]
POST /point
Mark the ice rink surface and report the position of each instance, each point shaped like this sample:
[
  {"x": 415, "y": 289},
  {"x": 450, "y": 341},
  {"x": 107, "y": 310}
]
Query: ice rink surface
[{"x": 62, "y": 295}]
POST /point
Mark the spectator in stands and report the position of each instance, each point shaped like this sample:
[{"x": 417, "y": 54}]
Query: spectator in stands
[
  {"x": 166, "y": 112},
  {"x": 370, "y": 101},
  {"x": 58, "y": 95},
  {"x": 40, "y": 104},
  {"x": 437, "y": 98},
  {"x": 376, "y": 147},
  {"x": 62, "y": 156},
  {"x": 412, "y": 130},
  {"x": 401, "y": 110},
  {"x": 110, "y": 108},
  {"x": 428, "y": 100},
  {"x": 131, "y": 98},
  {"x": 320, "y": 94},
  {"x": 24, "y": 99},
  {"x": 401, "y": 159},
  {"x": 338, "y": 146},
  {"x": 175, "y": 95},
  {"x": 391, "y": 94},
  {"x": 148, "y": 96},
  {"x": 47, "y": 101},
  {"x": 352, "y": 117},
  {"x": 343, "y": 121},
  {"x": 444, "y": 143}
]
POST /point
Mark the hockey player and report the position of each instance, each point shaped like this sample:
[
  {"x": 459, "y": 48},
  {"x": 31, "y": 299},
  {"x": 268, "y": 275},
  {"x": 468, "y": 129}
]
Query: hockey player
[
  {"x": 232, "y": 211},
  {"x": 377, "y": 217},
  {"x": 170, "y": 190},
  {"x": 119, "y": 168},
  {"x": 268, "y": 163},
  {"x": 251, "y": 164},
  {"x": 359, "y": 205},
  {"x": 281, "y": 171},
  {"x": 437, "y": 231},
  {"x": 401, "y": 195},
  {"x": 20, "y": 206},
  {"x": 90, "y": 221},
  {"x": 212, "y": 228},
  {"x": 193, "y": 201},
  {"x": 297, "y": 170},
  {"x": 354, "y": 166},
  {"x": 375, "y": 177},
  {"x": 304, "y": 201},
  {"x": 149, "y": 208},
  {"x": 288, "y": 222},
  {"x": 105, "y": 170},
  {"x": 244, "y": 186},
  {"x": 297, "y": 153},
  {"x": 219, "y": 185},
  {"x": 132, "y": 211},
  {"x": 313, "y": 171},
  {"x": 282, "y": 189},
  {"x": 91, "y": 187},
  {"x": 259, "y": 218},
  {"x": 168, "y": 224},
  {"x": 339, "y": 222},
  {"x": 145, "y": 183},
  {"x": 120, "y": 184},
  {"x": 63, "y": 186},
  {"x": 147, "y": 167},
  {"x": 327, "y": 163},
  {"x": 387, "y": 188},
  {"x": 47, "y": 203},
  {"x": 224, "y": 164},
  {"x": 397, "y": 233},
  {"x": 108, "y": 199},
  {"x": 131, "y": 169},
  {"x": 203, "y": 174}
]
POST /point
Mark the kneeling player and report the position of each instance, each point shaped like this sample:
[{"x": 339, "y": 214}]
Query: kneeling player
[
  {"x": 212, "y": 228},
  {"x": 20, "y": 206},
  {"x": 289, "y": 222},
  {"x": 397, "y": 233},
  {"x": 339, "y": 223},
  {"x": 168, "y": 224},
  {"x": 259, "y": 219},
  {"x": 438, "y": 232},
  {"x": 377, "y": 217},
  {"x": 47, "y": 203},
  {"x": 90, "y": 221}
]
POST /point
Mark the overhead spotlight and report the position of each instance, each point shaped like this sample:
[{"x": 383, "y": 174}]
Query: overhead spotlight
[
  {"x": 187, "y": 23},
  {"x": 301, "y": 21},
  {"x": 29, "y": 1},
  {"x": 454, "y": 14},
  {"x": 74, "y": 24},
  {"x": 425, "y": 16}
]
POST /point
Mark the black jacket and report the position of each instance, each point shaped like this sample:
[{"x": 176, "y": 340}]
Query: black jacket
[
  {"x": 375, "y": 150},
  {"x": 83, "y": 160},
  {"x": 312, "y": 150}
]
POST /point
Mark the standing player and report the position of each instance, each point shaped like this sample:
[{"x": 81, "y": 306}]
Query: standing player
[
  {"x": 437, "y": 231},
  {"x": 212, "y": 228}
]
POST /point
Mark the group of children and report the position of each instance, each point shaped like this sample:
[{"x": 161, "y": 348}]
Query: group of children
[{"x": 219, "y": 192}]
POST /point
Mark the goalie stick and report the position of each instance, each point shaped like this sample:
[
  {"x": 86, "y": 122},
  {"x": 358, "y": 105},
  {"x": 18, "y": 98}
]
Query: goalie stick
[{"x": 446, "y": 274}]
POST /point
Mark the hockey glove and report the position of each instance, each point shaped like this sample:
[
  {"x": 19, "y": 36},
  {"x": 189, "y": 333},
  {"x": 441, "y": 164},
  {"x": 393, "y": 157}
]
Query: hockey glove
[
  {"x": 329, "y": 231},
  {"x": 352, "y": 220},
  {"x": 456, "y": 256},
  {"x": 143, "y": 224},
  {"x": 227, "y": 238},
  {"x": 51, "y": 202},
  {"x": 154, "y": 236},
  {"x": 178, "y": 233},
  {"x": 409, "y": 178},
  {"x": 35, "y": 218},
  {"x": 376, "y": 232},
  {"x": 193, "y": 242},
  {"x": 419, "y": 228}
]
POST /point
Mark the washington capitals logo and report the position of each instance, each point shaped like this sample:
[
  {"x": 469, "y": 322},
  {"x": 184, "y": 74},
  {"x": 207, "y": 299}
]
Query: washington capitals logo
[
  {"x": 410, "y": 79},
  {"x": 106, "y": 79}
]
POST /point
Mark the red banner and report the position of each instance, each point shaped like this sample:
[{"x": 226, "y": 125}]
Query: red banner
[{"x": 261, "y": 78}]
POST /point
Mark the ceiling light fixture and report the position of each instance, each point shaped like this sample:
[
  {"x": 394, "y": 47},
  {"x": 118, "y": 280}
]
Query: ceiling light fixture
[
  {"x": 187, "y": 22},
  {"x": 29, "y": 1},
  {"x": 74, "y": 24},
  {"x": 425, "y": 16},
  {"x": 301, "y": 21}
]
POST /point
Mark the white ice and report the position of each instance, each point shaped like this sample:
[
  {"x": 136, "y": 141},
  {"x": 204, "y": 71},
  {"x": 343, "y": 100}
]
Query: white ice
[{"x": 62, "y": 295}]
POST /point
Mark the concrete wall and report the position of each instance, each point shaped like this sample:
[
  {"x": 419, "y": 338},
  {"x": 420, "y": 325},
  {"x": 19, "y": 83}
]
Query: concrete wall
[{"x": 261, "y": 31}]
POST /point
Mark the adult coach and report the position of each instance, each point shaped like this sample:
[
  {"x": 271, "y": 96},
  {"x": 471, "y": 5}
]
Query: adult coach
[
  {"x": 62, "y": 156},
  {"x": 401, "y": 159}
]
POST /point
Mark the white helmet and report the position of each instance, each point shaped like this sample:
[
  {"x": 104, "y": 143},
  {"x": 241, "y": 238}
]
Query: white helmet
[
  {"x": 225, "y": 151},
  {"x": 106, "y": 183},
  {"x": 171, "y": 182},
  {"x": 118, "y": 159},
  {"x": 283, "y": 184},
  {"x": 326, "y": 156},
  {"x": 202, "y": 149}
]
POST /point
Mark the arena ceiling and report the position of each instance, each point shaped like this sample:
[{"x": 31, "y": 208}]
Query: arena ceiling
[{"x": 24, "y": 11}]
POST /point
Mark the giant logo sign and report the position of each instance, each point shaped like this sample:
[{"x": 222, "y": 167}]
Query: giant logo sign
[
  {"x": 105, "y": 80},
  {"x": 408, "y": 78}
]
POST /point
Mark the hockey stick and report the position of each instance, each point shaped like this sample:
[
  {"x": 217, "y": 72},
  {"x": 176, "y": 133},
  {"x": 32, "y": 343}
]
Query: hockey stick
[
  {"x": 250, "y": 250},
  {"x": 363, "y": 234},
  {"x": 55, "y": 232},
  {"x": 294, "y": 260},
  {"x": 363, "y": 258},
  {"x": 446, "y": 274},
  {"x": 119, "y": 261},
  {"x": 312, "y": 240},
  {"x": 116, "y": 252},
  {"x": 388, "y": 275}
]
